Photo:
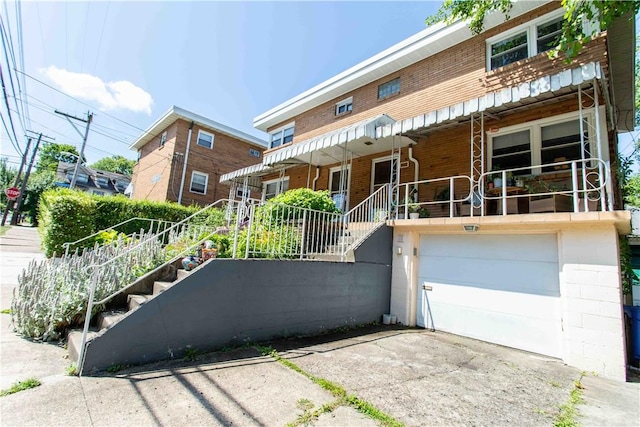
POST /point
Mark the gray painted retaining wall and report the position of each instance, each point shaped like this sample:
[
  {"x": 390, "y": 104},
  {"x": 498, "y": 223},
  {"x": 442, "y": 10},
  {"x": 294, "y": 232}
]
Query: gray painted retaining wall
[{"x": 235, "y": 301}]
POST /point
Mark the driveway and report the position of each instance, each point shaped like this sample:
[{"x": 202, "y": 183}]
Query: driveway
[{"x": 416, "y": 376}]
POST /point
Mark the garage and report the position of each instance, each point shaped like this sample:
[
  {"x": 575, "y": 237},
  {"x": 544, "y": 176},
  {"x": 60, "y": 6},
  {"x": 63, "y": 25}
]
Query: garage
[{"x": 502, "y": 289}]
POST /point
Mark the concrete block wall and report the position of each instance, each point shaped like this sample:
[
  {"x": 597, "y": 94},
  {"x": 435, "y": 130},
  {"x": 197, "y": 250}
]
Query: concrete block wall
[{"x": 592, "y": 300}]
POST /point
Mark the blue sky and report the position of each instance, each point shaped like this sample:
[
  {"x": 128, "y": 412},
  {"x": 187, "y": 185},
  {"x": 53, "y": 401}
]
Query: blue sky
[{"x": 228, "y": 61}]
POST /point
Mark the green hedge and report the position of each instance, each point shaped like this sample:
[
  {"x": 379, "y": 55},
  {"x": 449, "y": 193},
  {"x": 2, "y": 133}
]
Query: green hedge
[{"x": 69, "y": 215}]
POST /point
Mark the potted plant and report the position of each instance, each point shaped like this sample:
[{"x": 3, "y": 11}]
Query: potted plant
[
  {"x": 414, "y": 210},
  {"x": 424, "y": 213},
  {"x": 496, "y": 176}
]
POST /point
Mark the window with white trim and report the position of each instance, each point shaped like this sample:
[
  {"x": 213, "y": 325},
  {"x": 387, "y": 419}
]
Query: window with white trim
[
  {"x": 340, "y": 198},
  {"x": 205, "y": 139},
  {"x": 243, "y": 191},
  {"x": 254, "y": 153},
  {"x": 282, "y": 136},
  {"x": 163, "y": 138},
  {"x": 199, "y": 181},
  {"x": 344, "y": 107},
  {"x": 272, "y": 188},
  {"x": 539, "y": 143},
  {"x": 524, "y": 41},
  {"x": 389, "y": 88}
]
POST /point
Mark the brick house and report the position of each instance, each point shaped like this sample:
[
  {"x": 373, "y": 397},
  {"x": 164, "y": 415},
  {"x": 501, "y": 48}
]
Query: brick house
[
  {"x": 92, "y": 181},
  {"x": 443, "y": 119},
  {"x": 182, "y": 155}
]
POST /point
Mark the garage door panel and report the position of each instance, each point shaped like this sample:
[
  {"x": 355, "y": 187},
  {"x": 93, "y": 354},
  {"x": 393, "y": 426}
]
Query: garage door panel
[
  {"x": 530, "y": 277},
  {"x": 534, "y": 247},
  {"x": 497, "y": 288}
]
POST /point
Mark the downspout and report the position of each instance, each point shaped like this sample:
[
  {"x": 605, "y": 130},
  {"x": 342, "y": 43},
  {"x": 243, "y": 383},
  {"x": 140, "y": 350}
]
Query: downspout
[
  {"x": 316, "y": 178},
  {"x": 415, "y": 173},
  {"x": 186, "y": 161}
]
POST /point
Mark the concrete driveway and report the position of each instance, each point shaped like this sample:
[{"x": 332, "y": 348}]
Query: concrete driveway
[{"x": 416, "y": 376}]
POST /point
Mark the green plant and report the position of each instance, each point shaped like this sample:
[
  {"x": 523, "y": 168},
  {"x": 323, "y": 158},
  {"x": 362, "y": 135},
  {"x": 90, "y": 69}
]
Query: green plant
[
  {"x": 424, "y": 213},
  {"x": 20, "y": 386},
  {"x": 6, "y": 311},
  {"x": 305, "y": 198},
  {"x": 72, "y": 369},
  {"x": 190, "y": 354},
  {"x": 567, "y": 412},
  {"x": 442, "y": 194},
  {"x": 116, "y": 368}
]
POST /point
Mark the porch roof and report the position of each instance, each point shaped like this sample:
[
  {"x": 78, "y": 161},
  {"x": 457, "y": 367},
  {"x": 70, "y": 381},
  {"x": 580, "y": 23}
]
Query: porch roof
[
  {"x": 528, "y": 92},
  {"x": 301, "y": 152},
  {"x": 238, "y": 175}
]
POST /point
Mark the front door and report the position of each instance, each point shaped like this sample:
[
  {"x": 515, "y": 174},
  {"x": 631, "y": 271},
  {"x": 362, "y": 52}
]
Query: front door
[
  {"x": 339, "y": 187},
  {"x": 381, "y": 172}
]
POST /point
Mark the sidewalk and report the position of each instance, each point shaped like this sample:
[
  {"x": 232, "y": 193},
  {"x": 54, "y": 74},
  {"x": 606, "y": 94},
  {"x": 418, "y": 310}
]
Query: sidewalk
[{"x": 416, "y": 376}]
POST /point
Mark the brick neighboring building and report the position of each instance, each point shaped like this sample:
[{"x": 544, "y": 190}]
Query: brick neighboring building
[
  {"x": 214, "y": 149},
  {"x": 439, "y": 112}
]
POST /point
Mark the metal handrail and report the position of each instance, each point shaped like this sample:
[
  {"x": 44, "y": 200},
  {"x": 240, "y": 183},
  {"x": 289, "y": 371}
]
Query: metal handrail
[
  {"x": 97, "y": 267},
  {"x": 67, "y": 245},
  {"x": 409, "y": 186},
  {"x": 590, "y": 176}
]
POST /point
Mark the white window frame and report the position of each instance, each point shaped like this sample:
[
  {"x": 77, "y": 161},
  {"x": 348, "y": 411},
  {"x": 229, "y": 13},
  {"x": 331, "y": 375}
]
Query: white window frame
[
  {"x": 372, "y": 188},
  {"x": 272, "y": 181},
  {"x": 535, "y": 132},
  {"x": 202, "y": 132},
  {"x": 347, "y": 103},
  {"x": 206, "y": 182},
  {"x": 253, "y": 152},
  {"x": 281, "y": 131},
  {"x": 241, "y": 190},
  {"x": 531, "y": 28},
  {"x": 163, "y": 139}
]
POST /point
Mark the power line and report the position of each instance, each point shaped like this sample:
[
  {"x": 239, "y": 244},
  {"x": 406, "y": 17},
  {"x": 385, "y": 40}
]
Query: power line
[
  {"x": 104, "y": 24},
  {"x": 6, "y": 102},
  {"x": 25, "y": 108},
  {"x": 81, "y": 102},
  {"x": 6, "y": 56}
]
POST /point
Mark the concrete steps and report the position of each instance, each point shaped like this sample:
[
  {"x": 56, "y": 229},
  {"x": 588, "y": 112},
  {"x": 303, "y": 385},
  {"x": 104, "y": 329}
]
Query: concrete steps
[{"x": 106, "y": 319}]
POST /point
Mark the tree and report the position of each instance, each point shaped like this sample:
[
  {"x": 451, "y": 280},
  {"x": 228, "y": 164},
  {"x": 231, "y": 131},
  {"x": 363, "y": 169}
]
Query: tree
[
  {"x": 118, "y": 164},
  {"x": 52, "y": 153},
  {"x": 38, "y": 183},
  {"x": 7, "y": 179},
  {"x": 574, "y": 34}
]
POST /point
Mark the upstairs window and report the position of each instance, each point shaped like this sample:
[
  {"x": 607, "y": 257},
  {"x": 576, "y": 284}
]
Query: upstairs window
[
  {"x": 344, "y": 107},
  {"x": 524, "y": 41},
  {"x": 205, "y": 139},
  {"x": 102, "y": 181},
  {"x": 389, "y": 88},
  {"x": 282, "y": 136}
]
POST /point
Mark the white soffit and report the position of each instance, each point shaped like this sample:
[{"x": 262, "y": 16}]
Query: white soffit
[
  {"x": 424, "y": 44},
  {"x": 363, "y": 129},
  {"x": 504, "y": 97}
]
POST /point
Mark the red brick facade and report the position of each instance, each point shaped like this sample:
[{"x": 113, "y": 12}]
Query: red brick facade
[
  {"x": 158, "y": 172},
  {"x": 442, "y": 80}
]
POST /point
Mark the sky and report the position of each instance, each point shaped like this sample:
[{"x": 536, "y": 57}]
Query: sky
[{"x": 129, "y": 62}]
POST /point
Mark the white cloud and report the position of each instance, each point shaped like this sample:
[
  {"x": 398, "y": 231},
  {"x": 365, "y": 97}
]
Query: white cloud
[{"x": 120, "y": 95}]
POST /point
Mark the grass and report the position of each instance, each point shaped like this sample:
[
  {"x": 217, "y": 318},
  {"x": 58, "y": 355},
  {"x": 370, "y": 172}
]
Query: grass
[
  {"x": 567, "y": 414},
  {"x": 6, "y": 311},
  {"x": 342, "y": 398},
  {"x": 191, "y": 354},
  {"x": 3, "y": 229},
  {"x": 72, "y": 370},
  {"x": 20, "y": 386}
]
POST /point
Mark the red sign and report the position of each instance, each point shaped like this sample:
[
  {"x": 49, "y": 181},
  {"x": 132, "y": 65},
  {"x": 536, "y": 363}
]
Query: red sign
[{"x": 12, "y": 193}]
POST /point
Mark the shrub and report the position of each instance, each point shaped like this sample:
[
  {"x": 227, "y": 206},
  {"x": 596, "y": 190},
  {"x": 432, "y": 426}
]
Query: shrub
[{"x": 306, "y": 198}]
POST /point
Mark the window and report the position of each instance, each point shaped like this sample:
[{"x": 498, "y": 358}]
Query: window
[
  {"x": 199, "y": 182},
  {"x": 254, "y": 153},
  {"x": 282, "y": 136},
  {"x": 272, "y": 188},
  {"x": 389, "y": 88},
  {"x": 102, "y": 181},
  {"x": 344, "y": 107},
  {"x": 538, "y": 143},
  {"x": 163, "y": 138},
  {"x": 82, "y": 178},
  {"x": 99, "y": 193},
  {"x": 205, "y": 139},
  {"x": 524, "y": 41},
  {"x": 122, "y": 186},
  {"x": 243, "y": 191}
]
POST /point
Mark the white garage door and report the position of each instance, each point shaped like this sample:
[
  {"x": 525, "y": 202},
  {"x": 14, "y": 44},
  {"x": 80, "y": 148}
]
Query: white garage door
[{"x": 497, "y": 288}]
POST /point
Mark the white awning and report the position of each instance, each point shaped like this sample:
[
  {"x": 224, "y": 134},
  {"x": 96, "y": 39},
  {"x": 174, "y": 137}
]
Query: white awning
[
  {"x": 528, "y": 91},
  {"x": 249, "y": 171},
  {"x": 302, "y": 151}
]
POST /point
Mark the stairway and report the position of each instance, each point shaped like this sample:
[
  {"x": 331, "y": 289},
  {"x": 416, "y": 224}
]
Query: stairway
[
  {"x": 125, "y": 304},
  {"x": 350, "y": 238}
]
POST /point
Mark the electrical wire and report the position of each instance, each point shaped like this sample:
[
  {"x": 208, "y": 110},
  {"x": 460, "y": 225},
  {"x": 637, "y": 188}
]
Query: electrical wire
[
  {"x": 6, "y": 102},
  {"x": 6, "y": 55},
  {"x": 104, "y": 24},
  {"x": 25, "y": 109}
]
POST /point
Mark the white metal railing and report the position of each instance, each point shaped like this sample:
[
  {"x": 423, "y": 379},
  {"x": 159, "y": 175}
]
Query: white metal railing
[
  {"x": 585, "y": 180},
  {"x": 155, "y": 226},
  {"x": 448, "y": 193},
  {"x": 194, "y": 228}
]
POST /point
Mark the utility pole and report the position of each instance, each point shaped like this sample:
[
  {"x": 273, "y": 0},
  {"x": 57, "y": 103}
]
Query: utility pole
[
  {"x": 15, "y": 184},
  {"x": 23, "y": 187},
  {"x": 84, "y": 140}
]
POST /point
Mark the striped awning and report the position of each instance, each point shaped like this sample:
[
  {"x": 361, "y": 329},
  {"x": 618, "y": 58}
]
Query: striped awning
[
  {"x": 363, "y": 129},
  {"x": 249, "y": 171},
  {"x": 502, "y": 98}
]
